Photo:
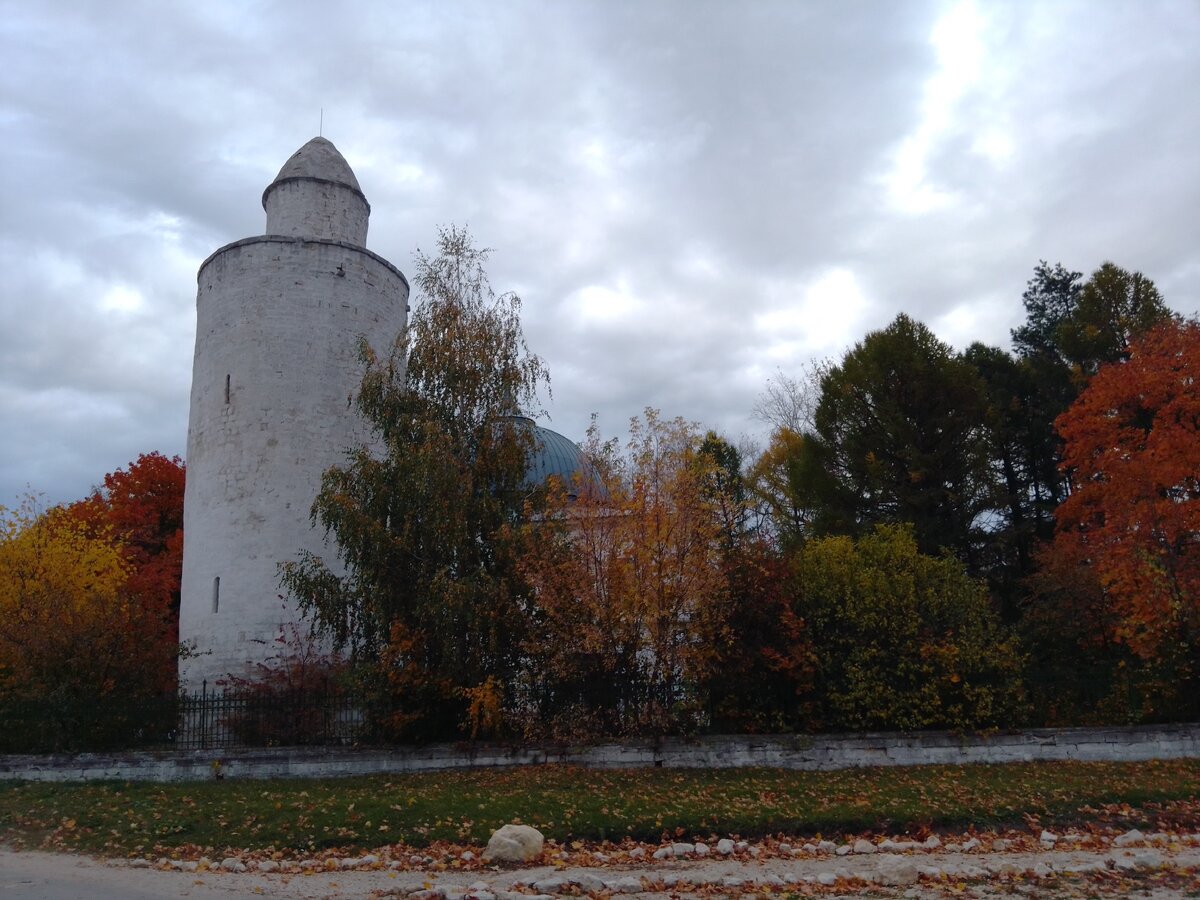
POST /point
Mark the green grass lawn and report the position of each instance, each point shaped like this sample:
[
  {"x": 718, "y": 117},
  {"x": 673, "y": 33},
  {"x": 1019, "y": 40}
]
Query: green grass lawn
[{"x": 579, "y": 804}]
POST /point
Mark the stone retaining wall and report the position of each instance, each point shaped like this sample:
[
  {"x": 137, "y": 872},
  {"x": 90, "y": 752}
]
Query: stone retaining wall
[{"x": 814, "y": 752}]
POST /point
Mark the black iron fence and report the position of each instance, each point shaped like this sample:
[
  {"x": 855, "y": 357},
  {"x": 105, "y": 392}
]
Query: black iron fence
[
  {"x": 206, "y": 720},
  {"x": 256, "y": 717},
  {"x": 65, "y": 723},
  {"x": 247, "y": 718}
]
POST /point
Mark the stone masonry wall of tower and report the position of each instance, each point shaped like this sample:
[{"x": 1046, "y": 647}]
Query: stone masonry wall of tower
[{"x": 276, "y": 367}]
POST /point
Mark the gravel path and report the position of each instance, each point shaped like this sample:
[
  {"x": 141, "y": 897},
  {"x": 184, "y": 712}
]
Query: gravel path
[{"x": 1161, "y": 867}]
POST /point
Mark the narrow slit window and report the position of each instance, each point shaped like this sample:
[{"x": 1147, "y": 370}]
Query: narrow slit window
[
  {"x": 226, "y": 388},
  {"x": 216, "y": 593}
]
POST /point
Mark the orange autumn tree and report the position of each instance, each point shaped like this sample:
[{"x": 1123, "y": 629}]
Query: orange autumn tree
[
  {"x": 628, "y": 586},
  {"x": 1132, "y": 448}
]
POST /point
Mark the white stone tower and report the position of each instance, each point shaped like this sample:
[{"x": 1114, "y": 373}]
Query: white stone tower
[{"x": 279, "y": 318}]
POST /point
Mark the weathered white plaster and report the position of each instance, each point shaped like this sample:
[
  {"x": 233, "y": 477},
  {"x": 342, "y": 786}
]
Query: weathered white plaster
[{"x": 276, "y": 368}]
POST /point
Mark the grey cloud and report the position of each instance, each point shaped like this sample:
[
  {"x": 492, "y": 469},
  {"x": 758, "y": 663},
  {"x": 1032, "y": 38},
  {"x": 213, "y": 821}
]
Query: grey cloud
[{"x": 736, "y": 150}]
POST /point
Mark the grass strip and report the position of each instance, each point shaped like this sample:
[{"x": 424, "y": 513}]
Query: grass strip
[{"x": 568, "y": 803}]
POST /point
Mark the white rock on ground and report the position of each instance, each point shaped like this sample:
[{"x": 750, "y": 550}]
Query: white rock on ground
[
  {"x": 1148, "y": 859},
  {"x": 1132, "y": 836},
  {"x": 895, "y": 870},
  {"x": 588, "y": 882},
  {"x": 625, "y": 885},
  {"x": 514, "y": 843}
]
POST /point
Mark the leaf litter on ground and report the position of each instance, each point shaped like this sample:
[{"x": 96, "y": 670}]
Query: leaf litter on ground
[{"x": 445, "y": 814}]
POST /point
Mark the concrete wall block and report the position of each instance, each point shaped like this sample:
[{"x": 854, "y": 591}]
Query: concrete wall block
[{"x": 821, "y": 753}]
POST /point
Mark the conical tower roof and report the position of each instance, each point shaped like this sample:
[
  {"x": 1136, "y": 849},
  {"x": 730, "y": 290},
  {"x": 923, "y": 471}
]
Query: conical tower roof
[{"x": 318, "y": 159}]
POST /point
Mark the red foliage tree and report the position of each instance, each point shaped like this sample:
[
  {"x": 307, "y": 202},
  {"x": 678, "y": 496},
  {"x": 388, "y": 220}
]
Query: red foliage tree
[
  {"x": 763, "y": 678},
  {"x": 1132, "y": 449},
  {"x": 142, "y": 509}
]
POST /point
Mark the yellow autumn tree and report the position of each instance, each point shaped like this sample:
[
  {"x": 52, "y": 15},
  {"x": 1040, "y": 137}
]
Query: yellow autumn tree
[
  {"x": 780, "y": 482},
  {"x": 75, "y": 647},
  {"x": 902, "y": 640},
  {"x": 628, "y": 585}
]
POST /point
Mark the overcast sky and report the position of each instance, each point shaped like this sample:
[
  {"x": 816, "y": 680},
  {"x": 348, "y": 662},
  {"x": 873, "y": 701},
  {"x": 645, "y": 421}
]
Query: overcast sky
[{"x": 688, "y": 196}]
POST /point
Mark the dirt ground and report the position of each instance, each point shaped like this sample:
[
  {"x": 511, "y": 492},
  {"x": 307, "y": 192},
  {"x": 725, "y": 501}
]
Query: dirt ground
[{"x": 1162, "y": 869}]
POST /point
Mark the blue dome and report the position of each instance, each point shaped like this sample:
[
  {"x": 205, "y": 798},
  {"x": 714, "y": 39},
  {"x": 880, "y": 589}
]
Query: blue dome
[{"x": 554, "y": 455}]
